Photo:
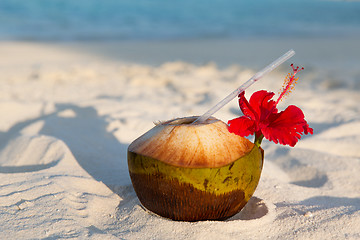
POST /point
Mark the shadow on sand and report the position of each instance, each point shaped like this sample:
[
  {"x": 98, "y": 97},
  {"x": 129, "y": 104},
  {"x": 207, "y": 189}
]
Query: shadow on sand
[
  {"x": 85, "y": 133},
  {"x": 339, "y": 206}
]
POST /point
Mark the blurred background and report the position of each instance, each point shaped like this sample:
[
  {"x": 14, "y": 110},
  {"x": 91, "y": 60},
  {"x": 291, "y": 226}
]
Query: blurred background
[
  {"x": 324, "y": 33},
  {"x": 65, "y": 20}
]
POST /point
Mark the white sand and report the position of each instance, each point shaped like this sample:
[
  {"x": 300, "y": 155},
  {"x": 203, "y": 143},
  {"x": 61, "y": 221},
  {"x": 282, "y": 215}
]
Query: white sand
[{"x": 69, "y": 111}]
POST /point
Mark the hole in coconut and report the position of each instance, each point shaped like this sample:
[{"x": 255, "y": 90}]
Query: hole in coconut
[{"x": 189, "y": 120}]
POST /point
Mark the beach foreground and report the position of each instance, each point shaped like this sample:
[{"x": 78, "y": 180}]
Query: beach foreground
[{"x": 69, "y": 111}]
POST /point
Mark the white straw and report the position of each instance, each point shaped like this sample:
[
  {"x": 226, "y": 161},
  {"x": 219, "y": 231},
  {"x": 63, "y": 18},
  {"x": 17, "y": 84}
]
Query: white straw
[{"x": 247, "y": 84}]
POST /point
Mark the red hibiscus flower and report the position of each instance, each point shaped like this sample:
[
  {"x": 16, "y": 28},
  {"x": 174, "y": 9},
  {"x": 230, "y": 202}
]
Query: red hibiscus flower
[{"x": 261, "y": 117}]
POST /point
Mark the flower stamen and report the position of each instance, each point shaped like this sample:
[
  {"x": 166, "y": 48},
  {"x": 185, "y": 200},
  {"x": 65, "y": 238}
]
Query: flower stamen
[{"x": 289, "y": 83}]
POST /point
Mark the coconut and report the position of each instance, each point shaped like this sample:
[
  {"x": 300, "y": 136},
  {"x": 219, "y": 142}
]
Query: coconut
[{"x": 193, "y": 172}]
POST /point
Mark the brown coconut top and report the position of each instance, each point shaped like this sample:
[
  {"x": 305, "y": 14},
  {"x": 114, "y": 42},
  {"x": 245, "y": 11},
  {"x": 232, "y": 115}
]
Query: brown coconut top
[{"x": 179, "y": 143}]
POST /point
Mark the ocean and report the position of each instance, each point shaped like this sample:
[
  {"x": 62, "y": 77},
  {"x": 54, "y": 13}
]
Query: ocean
[{"x": 68, "y": 20}]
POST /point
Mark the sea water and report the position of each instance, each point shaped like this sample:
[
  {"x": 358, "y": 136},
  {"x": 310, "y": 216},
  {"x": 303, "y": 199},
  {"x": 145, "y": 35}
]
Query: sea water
[{"x": 176, "y": 19}]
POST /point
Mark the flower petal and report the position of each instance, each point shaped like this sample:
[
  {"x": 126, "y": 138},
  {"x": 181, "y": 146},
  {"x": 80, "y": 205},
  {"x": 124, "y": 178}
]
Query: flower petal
[
  {"x": 246, "y": 108},
  {"x": 286, "y": 127},
  {"x": 242, "y": 126},
  {"x": 262, "y": 104}
]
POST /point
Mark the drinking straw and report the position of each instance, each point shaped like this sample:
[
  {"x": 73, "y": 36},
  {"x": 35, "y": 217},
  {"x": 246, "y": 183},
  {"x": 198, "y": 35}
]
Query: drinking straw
[{"x": 244, "y": 86}]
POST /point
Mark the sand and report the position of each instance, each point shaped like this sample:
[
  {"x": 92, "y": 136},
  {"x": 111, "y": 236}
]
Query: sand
[{"x": 69, "y": 111}]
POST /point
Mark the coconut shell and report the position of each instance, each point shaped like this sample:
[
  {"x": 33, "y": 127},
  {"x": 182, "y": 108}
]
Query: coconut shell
[
  {"x": 214, "y": 175},
  {"x": 179, "y": 143}
]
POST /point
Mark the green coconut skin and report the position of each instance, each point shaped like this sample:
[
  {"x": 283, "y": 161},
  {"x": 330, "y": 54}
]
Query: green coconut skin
[{"x": 193, "y": 194}]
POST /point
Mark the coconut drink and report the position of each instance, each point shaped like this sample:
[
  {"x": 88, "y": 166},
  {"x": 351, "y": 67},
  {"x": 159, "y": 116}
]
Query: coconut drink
[
  {"x": 200, "y": 168},
  {"x": 192, "y": 172}
]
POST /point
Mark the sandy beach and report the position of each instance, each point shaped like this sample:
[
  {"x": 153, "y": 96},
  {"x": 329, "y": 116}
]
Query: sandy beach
[{"x": 69, "y": 110}]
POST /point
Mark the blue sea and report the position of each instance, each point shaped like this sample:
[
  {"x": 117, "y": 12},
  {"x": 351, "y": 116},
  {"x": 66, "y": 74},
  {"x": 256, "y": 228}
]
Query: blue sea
[{"x": 177, "y": 19}]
